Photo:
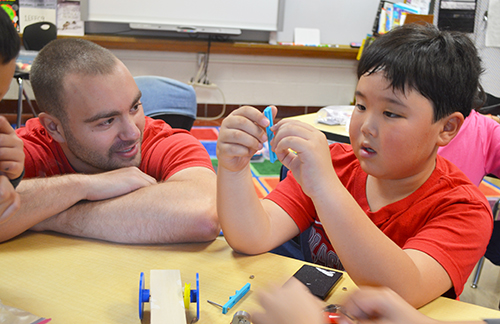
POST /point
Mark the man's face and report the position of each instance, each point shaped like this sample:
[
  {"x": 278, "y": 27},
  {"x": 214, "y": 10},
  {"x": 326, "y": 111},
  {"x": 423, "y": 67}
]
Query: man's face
[
  {"x": 6, "y": 74},
  {"x": 104, "y": 121}
]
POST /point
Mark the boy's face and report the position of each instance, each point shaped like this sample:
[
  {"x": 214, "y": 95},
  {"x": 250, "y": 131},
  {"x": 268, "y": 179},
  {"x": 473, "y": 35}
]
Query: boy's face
[
  {"x": 6, "y": 74},
  {"x": 392, "y": 133}
]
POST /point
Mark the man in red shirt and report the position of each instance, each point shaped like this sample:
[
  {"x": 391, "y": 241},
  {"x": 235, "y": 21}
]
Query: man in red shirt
[{"x": 97, "y": 167}]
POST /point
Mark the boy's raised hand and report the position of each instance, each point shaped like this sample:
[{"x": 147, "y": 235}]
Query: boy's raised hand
[
  {"x": 304, "y": 150},
  {"x": 242, "y": 133},
  {"x": 11, "y": 151}
]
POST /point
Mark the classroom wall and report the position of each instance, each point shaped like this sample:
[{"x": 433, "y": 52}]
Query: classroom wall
[
  {"x": 339, "y": 21},
  {"x": 490, "y": 55},
  {"x": 253, "y": 80},
  {"x": 261, "y": 80}
]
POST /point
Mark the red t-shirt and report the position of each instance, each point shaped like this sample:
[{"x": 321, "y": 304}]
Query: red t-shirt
[
  {"x": 447, "y": 218},
  {"x": 164, "y": 151}
]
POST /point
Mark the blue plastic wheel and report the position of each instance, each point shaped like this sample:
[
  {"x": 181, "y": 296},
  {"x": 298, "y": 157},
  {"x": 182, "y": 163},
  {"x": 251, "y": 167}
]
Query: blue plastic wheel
[
  {"x": 143, "y": 295},
  {"x": 195, "y": 296}
]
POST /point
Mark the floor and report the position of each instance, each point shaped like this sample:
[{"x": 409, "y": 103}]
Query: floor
[{"x": 487, "y": 293}]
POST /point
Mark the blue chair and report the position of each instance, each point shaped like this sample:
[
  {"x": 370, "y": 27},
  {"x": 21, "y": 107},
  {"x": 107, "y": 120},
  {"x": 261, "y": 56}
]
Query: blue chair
[{"x": 169, "y": 100}]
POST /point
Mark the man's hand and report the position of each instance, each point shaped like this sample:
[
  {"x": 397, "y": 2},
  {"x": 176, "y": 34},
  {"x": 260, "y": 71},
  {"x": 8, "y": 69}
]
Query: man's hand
[
  {"x": 11, "y": 151},
  {"x": 103, "y": 186},
  {"x": 116, "y": 183}
]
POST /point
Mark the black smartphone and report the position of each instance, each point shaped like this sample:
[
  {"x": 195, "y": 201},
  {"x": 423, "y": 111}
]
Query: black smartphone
[{"x": 320, "y": 281}]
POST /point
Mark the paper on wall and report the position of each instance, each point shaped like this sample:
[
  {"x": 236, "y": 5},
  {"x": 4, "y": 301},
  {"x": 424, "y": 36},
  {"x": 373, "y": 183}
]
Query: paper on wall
[
  {"x": 32, "y": 11},
  {"x": 306, "y": 36},
  {"x": 68, "y": 19},
  {"x": 423, "y": 5},
  {"x": 493, "y": 24}
]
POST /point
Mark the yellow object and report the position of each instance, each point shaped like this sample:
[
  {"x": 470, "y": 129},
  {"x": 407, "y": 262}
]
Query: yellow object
[
  {"x": 187, "y": 295},
  {"x": 361, "y": 49}
]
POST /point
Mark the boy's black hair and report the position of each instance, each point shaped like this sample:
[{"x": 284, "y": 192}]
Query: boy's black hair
[
  {"x": 9, "y": 39},
  {"x": 442, "y": 66}
]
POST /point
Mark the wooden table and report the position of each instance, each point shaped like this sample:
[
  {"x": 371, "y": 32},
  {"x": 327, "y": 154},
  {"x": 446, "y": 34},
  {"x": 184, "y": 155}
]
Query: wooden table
[{"x": 76, "y": 280}]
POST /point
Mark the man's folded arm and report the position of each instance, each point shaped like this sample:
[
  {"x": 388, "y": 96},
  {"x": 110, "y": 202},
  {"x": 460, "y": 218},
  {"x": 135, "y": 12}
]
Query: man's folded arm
[
  {"x": 181, "y": 209},
  {"x": 43, "y": 198}
]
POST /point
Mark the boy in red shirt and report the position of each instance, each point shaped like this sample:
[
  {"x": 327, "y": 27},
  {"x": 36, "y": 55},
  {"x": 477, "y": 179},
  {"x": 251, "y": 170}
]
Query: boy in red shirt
[{"x": 387, "y": 209}]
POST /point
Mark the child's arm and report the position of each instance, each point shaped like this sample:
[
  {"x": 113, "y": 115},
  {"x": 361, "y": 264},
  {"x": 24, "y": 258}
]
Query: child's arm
[
  {"x": 249, "y": 225},
  {"x": 367, "y": 254},
  {"x": 11, "y": 151},
  {"x": 9, "y": 200},
  {"x": 11, "y": 168},
  {"x": 294, "y": 304},
  {"x": 382, "y": 305}
]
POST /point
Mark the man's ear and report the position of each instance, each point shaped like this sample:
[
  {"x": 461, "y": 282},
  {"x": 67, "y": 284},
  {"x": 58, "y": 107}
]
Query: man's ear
[
  {"x": 53, "y": 126},
  {"x": 451, "y": 126}
]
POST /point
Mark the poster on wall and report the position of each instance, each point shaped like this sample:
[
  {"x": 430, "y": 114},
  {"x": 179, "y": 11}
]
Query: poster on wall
[
  {"x": 457, "y": 15},
  {"x": 493, "y": 24},
  {"x": 32, "y": 11},
  {"x": 69, "y": 20},
  {"x": 12, "y": 9}
]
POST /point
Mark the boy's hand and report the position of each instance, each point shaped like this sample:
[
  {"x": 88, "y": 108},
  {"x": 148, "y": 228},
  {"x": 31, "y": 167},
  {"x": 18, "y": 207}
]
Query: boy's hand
[
  {"x": 11, "y": 151},
  {"x": 9, "y": 200},
  {"x": 242, "y": 133},
  {"x": 376, "y": 305},
  {"x": 290, "y": 304},
  {"x": 310, "y": 161}
]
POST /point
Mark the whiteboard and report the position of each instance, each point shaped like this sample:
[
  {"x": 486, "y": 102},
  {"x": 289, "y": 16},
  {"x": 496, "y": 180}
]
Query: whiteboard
[
  {"x": 339, "y": 21},
  {"x": 261, "y": 15}
]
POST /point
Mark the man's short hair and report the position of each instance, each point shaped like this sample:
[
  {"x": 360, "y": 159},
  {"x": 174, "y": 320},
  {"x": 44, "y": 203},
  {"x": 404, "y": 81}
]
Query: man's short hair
[
  {"x": 442, "y": 66},
  {"x": 63, "y": 57},
  {"x": 9, "y": 39}
]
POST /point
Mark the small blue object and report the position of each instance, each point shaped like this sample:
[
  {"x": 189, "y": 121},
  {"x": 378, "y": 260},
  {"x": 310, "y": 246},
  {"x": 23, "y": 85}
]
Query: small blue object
[
  {"x": 236, "y": 298},
  {"x": 195, "y": 296},
  {"x": 143, "y": 295},
  {"x": 268, "y": 112}
]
